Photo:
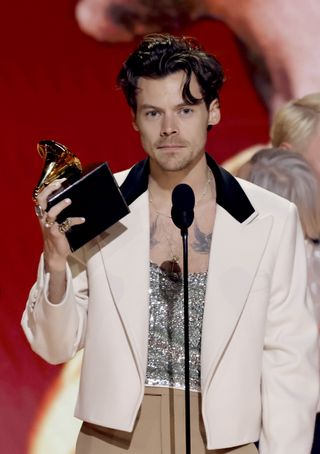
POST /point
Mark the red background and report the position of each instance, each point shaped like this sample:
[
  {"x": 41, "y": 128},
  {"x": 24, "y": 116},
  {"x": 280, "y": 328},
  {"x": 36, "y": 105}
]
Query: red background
[{"x": 57, "y": 83}]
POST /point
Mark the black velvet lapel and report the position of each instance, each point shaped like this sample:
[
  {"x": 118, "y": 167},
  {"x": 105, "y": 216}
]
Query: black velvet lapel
[
  {"x": 136, "y": 182},
  {"x": 230, "y": 194}
]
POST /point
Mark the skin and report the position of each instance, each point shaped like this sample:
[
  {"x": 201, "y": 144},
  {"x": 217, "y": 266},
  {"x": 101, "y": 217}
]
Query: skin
[
  {"x": 309, "y": 148},
  {"x": 283, "y": 33},
  {"x": 312, "y": 152},
  {"x": 93, "y": 19},
  {"x": 173, "y": 133}
]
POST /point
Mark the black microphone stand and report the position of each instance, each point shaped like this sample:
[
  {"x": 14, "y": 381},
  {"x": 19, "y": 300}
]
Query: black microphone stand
[
  {"x": 182, "y": 214},
  {"x": 184, "y": 234}
]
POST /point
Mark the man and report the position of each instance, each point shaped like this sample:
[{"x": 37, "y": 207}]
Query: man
[
  {"x": 253, "y": 352},
  {"x": 296, "y": 126}
]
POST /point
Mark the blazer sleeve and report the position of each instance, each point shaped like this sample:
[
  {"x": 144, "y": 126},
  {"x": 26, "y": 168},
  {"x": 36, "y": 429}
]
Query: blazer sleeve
[
  {"x": 290, "y": 372},
  {"x": 56, "y": 331}
]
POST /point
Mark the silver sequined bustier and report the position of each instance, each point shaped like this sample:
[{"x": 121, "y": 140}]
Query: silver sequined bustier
[{"x": 166, "y": 332}]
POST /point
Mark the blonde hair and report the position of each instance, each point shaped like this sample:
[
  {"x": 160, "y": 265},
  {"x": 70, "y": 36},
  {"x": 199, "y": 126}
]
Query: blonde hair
[
  {"x": 288, "y": 175},
  {"x": 296, "y": 122}
]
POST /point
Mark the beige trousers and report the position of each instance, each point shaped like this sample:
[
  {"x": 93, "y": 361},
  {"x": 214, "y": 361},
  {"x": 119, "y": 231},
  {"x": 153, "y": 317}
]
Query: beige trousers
[{"x": 159, "y": 429}]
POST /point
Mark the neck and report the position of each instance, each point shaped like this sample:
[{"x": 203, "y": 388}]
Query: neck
[
  {"x": 161, "y": 180},
  {"x": 162, "y": 183}
]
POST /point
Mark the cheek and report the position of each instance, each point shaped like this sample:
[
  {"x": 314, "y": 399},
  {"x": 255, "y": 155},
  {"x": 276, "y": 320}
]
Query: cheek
[
  {"x": 147, "y": 140},
  {"x": 146, "y": 135},
  {"x": 147, "y": 129},
  {"x": 317, "y": 167},
  {"x": 312, "y": 155},
  {"x": 198, "y": 133}
]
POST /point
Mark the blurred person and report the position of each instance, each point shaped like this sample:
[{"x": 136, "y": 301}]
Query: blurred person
[
  {"x": 296, "y": 126},
  {"x": 293, "y": 28},
  {"x": 120, "y": 298},
  {"x": 291, "y": 176},
  {"x": 237, "y": 161},
  {"x": 274, "y": 33},
  {"x": 123, "y": 20}
]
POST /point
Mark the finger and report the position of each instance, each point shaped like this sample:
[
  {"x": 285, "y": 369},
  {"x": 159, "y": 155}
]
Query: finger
[
  {"x": 50, "y": 217},
  {"x": 66, "y": 225},
  {"x": 49, "y": 222},
  {"x": 40, "y": 212},
  {"x": 58, "y": 208},
  {"x": 78, "y": 220},
  {"x": 44, "y": 194}
]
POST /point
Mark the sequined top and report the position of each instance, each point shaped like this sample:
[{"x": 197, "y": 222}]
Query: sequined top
[{"x": 165, "y": 365}]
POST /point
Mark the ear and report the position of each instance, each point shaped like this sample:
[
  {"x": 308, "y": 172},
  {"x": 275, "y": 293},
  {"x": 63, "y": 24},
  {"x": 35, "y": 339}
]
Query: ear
[
  {"x": 285, "y": 145},
  {"x": 214, "y": 113},
  {"x": 134, "y": 123}
]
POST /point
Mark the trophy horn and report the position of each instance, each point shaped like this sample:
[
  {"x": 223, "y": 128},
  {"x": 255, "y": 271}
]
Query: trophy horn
[{"x": 59, "y": 162}]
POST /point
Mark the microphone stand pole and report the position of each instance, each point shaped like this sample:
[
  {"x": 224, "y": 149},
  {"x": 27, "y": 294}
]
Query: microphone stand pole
[
  {"x": 182, "y": 214},
  {"x": 184, "y": 234}
]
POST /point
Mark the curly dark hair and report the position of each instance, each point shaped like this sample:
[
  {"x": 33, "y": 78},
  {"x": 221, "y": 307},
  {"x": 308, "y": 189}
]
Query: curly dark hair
[{"x": 159, "y": 55}]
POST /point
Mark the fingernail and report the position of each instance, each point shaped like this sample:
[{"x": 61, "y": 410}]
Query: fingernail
[
  {"x": 67, "y": 201},
  {"x": 83, "y": 219}
]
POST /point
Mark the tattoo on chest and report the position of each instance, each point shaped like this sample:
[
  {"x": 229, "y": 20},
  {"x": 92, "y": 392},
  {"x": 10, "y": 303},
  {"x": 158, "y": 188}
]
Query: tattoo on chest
[
  {"x": 200, "y": 244},
  {"x": 153, "y": 229},
  {"x": 202, "y": 240}
]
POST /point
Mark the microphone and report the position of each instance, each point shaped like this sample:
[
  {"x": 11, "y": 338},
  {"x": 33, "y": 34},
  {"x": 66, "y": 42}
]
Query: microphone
[
  {"x": 183, "y": 202},
  {"x": 182, "y": 214}
]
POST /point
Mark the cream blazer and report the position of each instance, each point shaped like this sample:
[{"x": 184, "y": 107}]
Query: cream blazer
[{"x": 259, "y": 362}]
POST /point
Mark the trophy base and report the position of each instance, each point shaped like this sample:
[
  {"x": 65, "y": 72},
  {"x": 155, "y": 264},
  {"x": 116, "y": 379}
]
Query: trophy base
[{"x": 95, "y": 196}]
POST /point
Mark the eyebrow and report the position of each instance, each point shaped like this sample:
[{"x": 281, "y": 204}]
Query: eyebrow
[
  {"x": 178, "y": 106},
  {"x": 149, "y": 106}
]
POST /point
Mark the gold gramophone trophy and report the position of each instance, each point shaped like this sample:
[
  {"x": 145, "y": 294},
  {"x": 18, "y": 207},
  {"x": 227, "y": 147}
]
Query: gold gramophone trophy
[
  {"x": 95, "y": 194},
  {"x": 59, "y": 162}
]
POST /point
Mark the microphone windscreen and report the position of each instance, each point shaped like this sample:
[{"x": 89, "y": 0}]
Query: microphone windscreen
[{"x": 183, "y": 202}]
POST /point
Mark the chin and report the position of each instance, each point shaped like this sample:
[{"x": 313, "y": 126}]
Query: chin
[
  {"x": 172, "y": 161},
  {"x": 171, "y": 165}
]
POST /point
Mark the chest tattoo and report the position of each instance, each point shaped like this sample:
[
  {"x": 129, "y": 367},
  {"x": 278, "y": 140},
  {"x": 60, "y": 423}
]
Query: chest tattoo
[
  {"x": 153, "y": 230},
  {"x": 202, "y": 241}
]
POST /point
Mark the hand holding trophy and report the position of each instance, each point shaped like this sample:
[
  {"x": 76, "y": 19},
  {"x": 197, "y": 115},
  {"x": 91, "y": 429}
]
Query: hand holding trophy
[
  {"x": 60, "y": 165},
  {"x": 66, "y": 197}
]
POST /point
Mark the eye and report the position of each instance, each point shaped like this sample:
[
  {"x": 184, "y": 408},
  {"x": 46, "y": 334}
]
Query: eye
[
  {"x": 152, "y": 113},
  {"x": 186, "y": 111}
]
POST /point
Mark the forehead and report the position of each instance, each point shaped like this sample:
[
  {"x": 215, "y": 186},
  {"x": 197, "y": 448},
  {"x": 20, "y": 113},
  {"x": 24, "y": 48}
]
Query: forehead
[{"x": 165, "y": 89}]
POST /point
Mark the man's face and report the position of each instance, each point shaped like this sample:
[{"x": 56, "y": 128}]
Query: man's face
[
  {"x": 172, "y": 132},
  {"x": 312, "y": 151}
]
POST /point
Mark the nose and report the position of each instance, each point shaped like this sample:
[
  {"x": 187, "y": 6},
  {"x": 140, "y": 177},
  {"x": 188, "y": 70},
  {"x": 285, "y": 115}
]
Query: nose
[{"x": 168, "y": 126}]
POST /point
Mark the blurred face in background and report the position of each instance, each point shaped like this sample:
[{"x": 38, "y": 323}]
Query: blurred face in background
[
  {"x": 122, "y": 20},
  {"x": 312, "y": 151}
]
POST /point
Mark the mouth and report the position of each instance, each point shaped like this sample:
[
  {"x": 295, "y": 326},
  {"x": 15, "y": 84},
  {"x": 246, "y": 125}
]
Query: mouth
[{"x": 170, "y": 146}]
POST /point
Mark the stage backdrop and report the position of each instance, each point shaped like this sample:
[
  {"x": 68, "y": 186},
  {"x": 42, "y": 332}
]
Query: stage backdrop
[{"x": 56, "y": 83}]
